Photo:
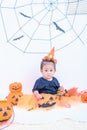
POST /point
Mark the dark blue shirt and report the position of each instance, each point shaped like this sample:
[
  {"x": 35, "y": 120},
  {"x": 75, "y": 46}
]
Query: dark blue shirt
[{"x": 44, "y": 86}]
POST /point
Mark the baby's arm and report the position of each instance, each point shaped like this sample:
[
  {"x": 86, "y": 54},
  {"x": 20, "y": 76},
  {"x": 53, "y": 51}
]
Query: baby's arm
[{"x": 38, "y": 96}]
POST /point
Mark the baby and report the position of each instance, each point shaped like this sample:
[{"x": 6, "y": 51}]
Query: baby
[{"x": 47, "y": 83}]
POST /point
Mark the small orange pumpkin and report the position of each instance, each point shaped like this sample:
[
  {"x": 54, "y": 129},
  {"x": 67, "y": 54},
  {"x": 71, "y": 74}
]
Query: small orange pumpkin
[
  {"x": 15, "y": 92},
  {"x": 6, "y": 110},
  {"x": 84, "y": 97}
]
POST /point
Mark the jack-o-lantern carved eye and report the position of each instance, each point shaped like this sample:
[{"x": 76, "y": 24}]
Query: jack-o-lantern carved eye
[
  {"x": 16, "y": 96},
  {"x": 42, "y": 98},
  {"x": 13, "y": 96},
  {"x": 0, "y": 109},
  {"x": 8, "y": 108},
  {"x": 19, "y": 95},
  {"x": 51, "y": 98}
]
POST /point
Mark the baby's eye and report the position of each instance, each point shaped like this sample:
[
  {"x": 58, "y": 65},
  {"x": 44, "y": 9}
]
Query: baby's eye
[
  {"x": 46, "y": 70},
  {"x": 51, "y": 70}
]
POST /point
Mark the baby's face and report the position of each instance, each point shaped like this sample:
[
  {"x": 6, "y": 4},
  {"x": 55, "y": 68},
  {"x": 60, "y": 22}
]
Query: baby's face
[{"x": 48, "y": 71}]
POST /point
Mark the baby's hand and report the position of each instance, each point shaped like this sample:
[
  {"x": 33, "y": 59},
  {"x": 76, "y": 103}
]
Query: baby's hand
[{"x": 39, "y": 96}]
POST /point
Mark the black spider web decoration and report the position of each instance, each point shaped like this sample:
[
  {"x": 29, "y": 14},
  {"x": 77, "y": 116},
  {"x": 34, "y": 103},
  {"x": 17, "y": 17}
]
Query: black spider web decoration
[{"x": 35, "y": 26}]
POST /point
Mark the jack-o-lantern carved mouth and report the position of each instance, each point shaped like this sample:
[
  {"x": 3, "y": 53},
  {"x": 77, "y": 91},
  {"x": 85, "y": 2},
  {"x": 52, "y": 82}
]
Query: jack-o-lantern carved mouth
[
  {"x": 44, "y": 105},
  {"x": 15, "y": 87}
]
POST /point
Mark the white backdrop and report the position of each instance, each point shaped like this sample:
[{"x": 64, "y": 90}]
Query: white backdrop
[{"x": 17, "y": 66}]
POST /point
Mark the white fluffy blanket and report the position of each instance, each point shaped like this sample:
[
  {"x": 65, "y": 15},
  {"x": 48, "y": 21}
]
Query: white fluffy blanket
[{"x": 78, "y": 113}]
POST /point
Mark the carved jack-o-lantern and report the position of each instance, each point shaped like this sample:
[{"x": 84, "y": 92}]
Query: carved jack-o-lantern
[
  {"x": 15, "y": 92},
  {"x": 6, "y": 110},
  {"x": 47, "y": 101},
  {"x": 84, "y": 97}
]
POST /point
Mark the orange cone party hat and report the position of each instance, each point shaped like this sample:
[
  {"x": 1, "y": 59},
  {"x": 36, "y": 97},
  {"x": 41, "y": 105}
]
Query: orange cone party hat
[{"x": 50, "y": 56}]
